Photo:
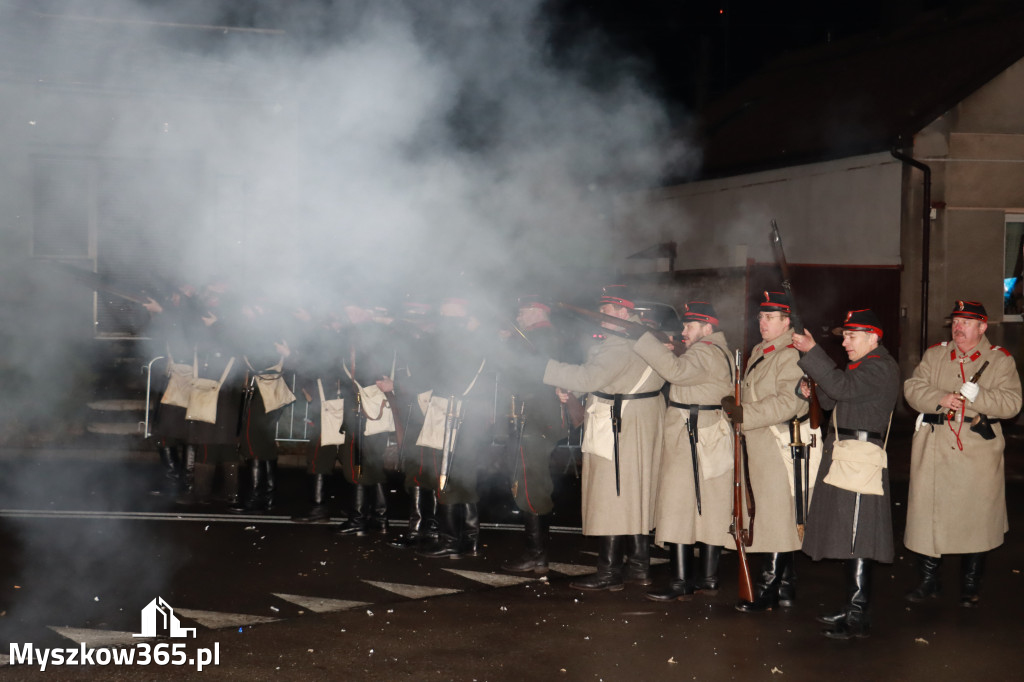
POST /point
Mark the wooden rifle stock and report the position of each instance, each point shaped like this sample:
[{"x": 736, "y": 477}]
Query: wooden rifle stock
[
  {"x": 743, "y": 538},
  {"x": 794, "y": 316},
  {"x": 630, "y": 330}
]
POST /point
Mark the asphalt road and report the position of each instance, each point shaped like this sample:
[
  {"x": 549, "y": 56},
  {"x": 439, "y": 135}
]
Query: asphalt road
[{"x": 86, "y": 549}]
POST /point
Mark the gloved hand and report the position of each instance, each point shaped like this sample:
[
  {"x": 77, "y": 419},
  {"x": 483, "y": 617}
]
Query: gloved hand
[
  {"x": 732, "y": 410},
  {"x": 969, "y": 391}
]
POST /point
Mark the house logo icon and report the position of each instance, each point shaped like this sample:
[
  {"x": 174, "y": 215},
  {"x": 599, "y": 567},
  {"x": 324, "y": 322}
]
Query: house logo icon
[{"x": 158, "y": 618}]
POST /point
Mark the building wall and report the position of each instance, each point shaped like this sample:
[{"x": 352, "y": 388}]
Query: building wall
[{"x": 976, "y": 152}]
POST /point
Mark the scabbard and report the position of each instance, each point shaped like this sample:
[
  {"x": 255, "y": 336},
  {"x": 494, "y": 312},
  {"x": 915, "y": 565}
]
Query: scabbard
[
  {"x": 616, "y": 427},
  {"x": 691, "y": 432}
]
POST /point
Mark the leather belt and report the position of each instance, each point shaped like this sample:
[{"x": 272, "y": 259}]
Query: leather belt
[
  {"x": 687, "y": 406},
  {"x": 934, "y": 418},
  {"x": 627, "y": 396},
  {"x": 859, "y": 434}
]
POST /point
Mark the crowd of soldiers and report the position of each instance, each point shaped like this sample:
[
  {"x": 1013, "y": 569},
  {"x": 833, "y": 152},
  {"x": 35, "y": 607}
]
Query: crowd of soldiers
[{"x": 662, "y": 414}]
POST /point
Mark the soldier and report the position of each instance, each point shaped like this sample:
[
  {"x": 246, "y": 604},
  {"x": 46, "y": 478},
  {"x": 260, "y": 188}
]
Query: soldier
[
  {"x": 770, "y": 403},
  {"x": 369, "y": 356},
  {"x": 957, "y": 499},
  {"x": 317, "y": 368},
  {"x": 535, "y": 429},
  {"x": 459, "y": 362},
  {"x": 413, "y": 332},
  {"x": 694, "y": 502},
  {"x": 843, "y": 524},
  {"x": 621, "y": 454}
]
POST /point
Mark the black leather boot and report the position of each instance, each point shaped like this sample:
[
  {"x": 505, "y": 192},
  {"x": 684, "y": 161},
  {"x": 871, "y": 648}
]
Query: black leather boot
[
  {"x": 355, "y": 524},
  {"x": 707, "y": 583},
  {"x": 535, "y": 559},
  {"x": 638, "y": 560},
  {"x": 930, "y": 585},
  {"x": 411, "y": 537},
  {"x": 854, "y": 622},
  {"x": 787, "y": 582},
  {"x": 469, "y": 538},
  {"x": 318, "y": 511},
  {"x": 767, "y": 596},
  {"x": 270, "y": 484},
  {"x": 187, "y": 473},
  {"x": 449, "y": 533},
  {"x": 431, "y": 525},
  {"x": 251, "y": 502},
  {"x": 378, "y": 522},
  {"x": 971, "y": 566},
  {"x": 609, "y": 567},
  {"x": 681, "y": 587},
  {"x": 202, "y": 485}
]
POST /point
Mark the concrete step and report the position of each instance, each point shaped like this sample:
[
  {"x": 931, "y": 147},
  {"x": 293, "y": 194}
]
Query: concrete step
[{"x": 118, "y": 405}]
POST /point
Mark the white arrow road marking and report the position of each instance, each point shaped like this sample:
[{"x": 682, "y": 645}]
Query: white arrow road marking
[
  {"x": 97, "y": 638},
  {"x": 412, "y": 591},
  {"x": 217, "y": 619},
  {"x": 492, "y": 579},
  {"x": 321, "y": 604}
]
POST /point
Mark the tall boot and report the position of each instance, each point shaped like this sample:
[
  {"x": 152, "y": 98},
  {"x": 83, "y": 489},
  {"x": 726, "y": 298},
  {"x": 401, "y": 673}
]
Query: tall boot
[
  {"x": 229, "y": 482},
  {"x": 707, "y": 585},
  {"x": 638, "y": 560},
  {"x": 252, "y": 502},
  {"x": 411, "y": 536},
  {"x": 202, "y": 485},
  {"x": 356, "y": 522},
  {"x": 787, "y": 582},
  {"x": 450, "y": 518},
  {"x": 609, "y": 567},
  {"x": 469, "y": 538},
  {"x": 535, "y": 560},
  {"x": 431, "y": 525},
  {"x": 855, "y": 621},
  {"x": 270, "y": 479},
  {"x": 378, "y": 522},
  {"x": 188, "y": 470},
  {"x": 930, "y": 585},
  {"x": 767, "y": 596},
  {"x": 318, "y": 511},
  {"x": 971, "y": 566},
  {"x": 681, "y": 587}
]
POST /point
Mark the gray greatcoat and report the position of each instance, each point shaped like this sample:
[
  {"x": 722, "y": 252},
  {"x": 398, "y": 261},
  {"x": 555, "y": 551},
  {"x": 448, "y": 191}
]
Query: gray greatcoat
[
  {"x": 612, "y": 367},
  {"x": 770, "y": 399},
  {"x": 957, "y": 498},
  {"x": 701, "y": 376},
  {"x": 863, "y": 397}
]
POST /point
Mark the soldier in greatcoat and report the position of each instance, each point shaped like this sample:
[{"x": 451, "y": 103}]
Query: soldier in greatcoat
[
  {"x": 698, "y": 438},
  {"x": 770, "y": 401},
  {"x": 842, "y": 524},
  {"x": 618, "y": 505},
  {"x": 957, "y": 501},
  {"x": 535, "y": 428}
]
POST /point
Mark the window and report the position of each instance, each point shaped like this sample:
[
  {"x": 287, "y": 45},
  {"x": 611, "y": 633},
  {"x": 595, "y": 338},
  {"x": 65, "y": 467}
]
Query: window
[{"x": 1013, "y": 269}]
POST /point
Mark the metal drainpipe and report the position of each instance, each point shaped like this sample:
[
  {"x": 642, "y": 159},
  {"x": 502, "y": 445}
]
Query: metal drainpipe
[{"x": 926, "y": 239}]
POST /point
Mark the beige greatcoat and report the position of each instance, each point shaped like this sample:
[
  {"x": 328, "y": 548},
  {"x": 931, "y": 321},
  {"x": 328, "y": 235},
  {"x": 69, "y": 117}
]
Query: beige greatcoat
[
  {"x": 770, "y": 398},
  {"x": 612, "y": 367},
  {"x": 957, "y": 499},
  {"x": 701, "y": 376}
]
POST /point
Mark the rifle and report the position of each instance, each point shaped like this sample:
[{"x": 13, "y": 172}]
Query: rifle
[
  {"x": 629, "y": 329},
  {"x": 452, "y": 422},
  {"x": 797, "y": 324},
  {"x": 744, "y": 538},
  {"x": 396, "y": 412}
]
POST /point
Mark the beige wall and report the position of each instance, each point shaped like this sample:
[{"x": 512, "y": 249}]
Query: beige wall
[
  {"x": 976, "y": 152},
  {"x": 838, "y": 213}
]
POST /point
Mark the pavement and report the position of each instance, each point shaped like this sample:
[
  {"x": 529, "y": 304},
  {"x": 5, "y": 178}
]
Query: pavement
[{"x": 86, "y": 548}]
